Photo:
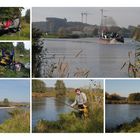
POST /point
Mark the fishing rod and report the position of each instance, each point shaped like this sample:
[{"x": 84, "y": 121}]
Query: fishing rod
[{"x": 66, "y": 104}]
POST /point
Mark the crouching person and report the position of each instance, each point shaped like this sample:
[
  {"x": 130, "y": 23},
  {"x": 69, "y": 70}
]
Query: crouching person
[{"x": 81, "y": 100}]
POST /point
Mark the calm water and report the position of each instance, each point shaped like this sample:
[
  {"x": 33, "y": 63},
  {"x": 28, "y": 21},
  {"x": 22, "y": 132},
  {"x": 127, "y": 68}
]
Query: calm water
[
  {"x": 4, "y": 115},
  {"x": 48, "y": 109},
  {"x": 118, "y": 114},
  {"x": 101, "y": 60}
]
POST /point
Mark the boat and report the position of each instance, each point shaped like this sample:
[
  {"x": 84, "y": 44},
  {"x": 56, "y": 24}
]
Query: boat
[{"x": 106, "y": 35}]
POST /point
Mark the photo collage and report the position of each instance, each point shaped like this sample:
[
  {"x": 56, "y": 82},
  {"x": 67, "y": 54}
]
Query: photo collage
[{"x": 69, "y": 70}]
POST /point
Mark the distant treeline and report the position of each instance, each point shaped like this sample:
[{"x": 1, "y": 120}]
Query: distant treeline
[
  {"x": 133, "y": 98},
  {"x": 39, "y": 86},
  {"x": 63, "y": 28},
  {"x": 5, "y": 103}
]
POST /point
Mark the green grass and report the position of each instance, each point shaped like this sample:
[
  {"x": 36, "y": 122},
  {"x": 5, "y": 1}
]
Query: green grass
[
  {"x": 51, "y": 36},
  {"x": 69, "y": 123},
  {"x": 24, "y": 34},
  {"x": 18, "y": 123},
  {"x": 24, "y": 59},
  {"x": 7, "y": 73}
]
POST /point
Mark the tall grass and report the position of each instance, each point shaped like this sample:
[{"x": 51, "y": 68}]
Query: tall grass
[
  {"x": 133, "y": 68},
  {"x": 62, "y": 67},
  {"x": 69, "y": 122},
  {"x": 18, "y": 123}
]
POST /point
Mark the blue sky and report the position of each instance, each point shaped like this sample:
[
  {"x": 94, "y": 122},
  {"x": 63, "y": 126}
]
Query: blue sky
[
  {"x": 75, "y": 83},
  {"x": 15, "y": 90},
  {"x": 122, "y": 87}
]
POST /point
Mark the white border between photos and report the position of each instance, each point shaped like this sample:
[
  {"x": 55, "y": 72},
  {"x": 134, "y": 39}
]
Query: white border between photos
[
  {"x": 67, "y": 3},
  {"x": 71, "y": 3},
  {"x": 70, "y": 136}
]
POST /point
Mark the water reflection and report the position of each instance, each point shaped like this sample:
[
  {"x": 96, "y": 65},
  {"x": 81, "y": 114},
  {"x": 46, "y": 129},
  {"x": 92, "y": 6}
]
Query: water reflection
[
  {"x": 118, "y": 114},
  {"x": 48, "y": 108},
  {"x": 4, "y": 115}
]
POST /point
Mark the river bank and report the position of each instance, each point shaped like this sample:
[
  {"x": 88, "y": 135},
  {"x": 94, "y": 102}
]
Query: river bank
[
  {"x": 40, "y": 95},
  {"x": 117, "y": 114},
  {"x": 133, "y": 126},
  {"x": 15, "y": 123},
  {"x": 71, "y": 123}
]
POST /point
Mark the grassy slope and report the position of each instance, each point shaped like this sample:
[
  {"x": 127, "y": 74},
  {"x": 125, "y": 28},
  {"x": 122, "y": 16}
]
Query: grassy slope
[
  {"x": 18, "y": 123},
  {"x": 132, "y": 127}
]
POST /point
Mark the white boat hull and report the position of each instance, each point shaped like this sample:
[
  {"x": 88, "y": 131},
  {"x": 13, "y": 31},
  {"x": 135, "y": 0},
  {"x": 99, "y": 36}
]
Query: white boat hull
[{"x": 109, "y": 41}]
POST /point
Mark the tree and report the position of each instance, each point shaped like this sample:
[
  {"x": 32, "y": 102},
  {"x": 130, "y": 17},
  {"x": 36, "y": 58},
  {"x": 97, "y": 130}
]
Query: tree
[
  {"x": 107, "y": 95},
  {"x": 40, "y": 61},
  {"x": 134, "y": 97},
  {"x": 10, "y": 12},
  {"x": 38, "y": 86},
  {"x": 20, "y": 47},
  {"x": 6, "y": 102},
  {"x": 37, "y": 46},
  {"x": 60, "y": 88},
  {"x": 27, "y": 16},
  {"x": 115, "y": 96},
  {"x": 8, "y": 46}
]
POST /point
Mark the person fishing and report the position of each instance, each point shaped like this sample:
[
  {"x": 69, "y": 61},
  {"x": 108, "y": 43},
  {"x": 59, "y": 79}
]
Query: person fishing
[{"x": 81, "y": 101}]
